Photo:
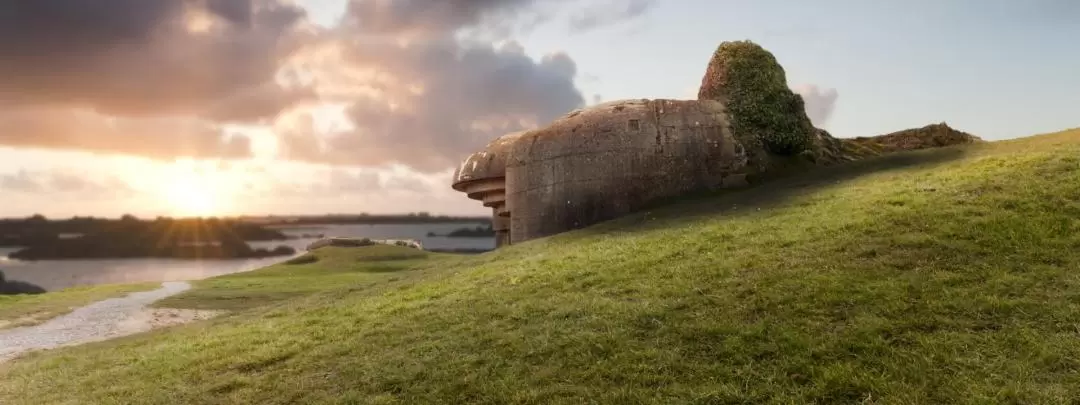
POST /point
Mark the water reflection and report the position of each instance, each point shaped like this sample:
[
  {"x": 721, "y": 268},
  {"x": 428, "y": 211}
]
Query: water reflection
[{"x": 59, "y": 274}]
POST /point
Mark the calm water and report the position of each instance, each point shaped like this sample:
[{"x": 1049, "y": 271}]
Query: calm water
[{"x": 58, "y": 274}]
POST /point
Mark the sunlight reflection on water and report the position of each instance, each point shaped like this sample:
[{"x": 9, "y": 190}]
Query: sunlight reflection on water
[{"x": 59, "y": 274}]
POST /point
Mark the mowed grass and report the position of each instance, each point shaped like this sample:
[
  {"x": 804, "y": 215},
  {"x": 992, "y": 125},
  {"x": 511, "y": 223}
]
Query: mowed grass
[
  {"x": 943, "y": 276},
  {"x": 27, "y": 310}
]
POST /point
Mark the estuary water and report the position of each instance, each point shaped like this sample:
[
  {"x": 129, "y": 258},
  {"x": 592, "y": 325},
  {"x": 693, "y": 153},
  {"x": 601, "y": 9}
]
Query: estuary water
[{"x": 59, "y": 274}]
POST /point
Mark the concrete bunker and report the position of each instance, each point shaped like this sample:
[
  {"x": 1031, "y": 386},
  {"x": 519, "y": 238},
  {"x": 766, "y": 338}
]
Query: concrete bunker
[
  {"x": 482, "y": 177},
  {"x": 609, "y": 160}
]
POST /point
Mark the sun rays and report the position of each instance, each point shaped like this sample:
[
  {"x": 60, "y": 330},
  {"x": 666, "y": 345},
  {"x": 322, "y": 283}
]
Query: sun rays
[{"x": 190, "y": 191}]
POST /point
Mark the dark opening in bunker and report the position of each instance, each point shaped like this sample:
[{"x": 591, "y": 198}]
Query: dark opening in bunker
[{"x": 634, "y": 125}]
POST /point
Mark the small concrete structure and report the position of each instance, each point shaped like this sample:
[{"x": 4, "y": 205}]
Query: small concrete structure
[{"x": 482, "y": 176}]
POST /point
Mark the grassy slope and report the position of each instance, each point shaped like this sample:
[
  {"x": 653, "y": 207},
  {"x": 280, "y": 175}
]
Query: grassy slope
[
  {"x": 944, "y": 276},
  {"x": 26, "y": 310},
  {"x": 334, "y": 268}
]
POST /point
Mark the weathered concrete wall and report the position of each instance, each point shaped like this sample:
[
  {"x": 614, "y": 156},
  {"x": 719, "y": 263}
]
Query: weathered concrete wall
[
  {"x": 482, "y": 176},
  {"x": 501, "y": 225},
  {"x": 609, "y": 160}
]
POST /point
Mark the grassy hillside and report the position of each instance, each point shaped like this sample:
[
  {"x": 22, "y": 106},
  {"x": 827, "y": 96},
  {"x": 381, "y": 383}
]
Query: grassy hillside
[
  {"x": 325, "y": 269},
  {"x": 942, "y": 276}
]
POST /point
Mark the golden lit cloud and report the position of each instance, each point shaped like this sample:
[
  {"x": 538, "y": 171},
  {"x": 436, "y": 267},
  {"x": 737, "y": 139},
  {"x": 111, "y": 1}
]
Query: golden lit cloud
[{"x": 197, "y": 19}]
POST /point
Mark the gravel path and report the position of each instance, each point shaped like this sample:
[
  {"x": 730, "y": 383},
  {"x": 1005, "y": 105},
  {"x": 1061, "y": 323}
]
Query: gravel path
[{"x": 101, "y": 320}]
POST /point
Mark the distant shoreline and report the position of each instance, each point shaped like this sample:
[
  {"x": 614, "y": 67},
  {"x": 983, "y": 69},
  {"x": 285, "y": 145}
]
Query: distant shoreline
[
  {"x": 477, "y": 232},
  {"x": 314, "y": 223},
  {"x": 38, "y": 238}
]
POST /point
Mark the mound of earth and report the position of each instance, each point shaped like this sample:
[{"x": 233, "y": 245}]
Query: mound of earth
[
  {"x": 930, "y": 136},
  {"x": 827, "y": 150}
]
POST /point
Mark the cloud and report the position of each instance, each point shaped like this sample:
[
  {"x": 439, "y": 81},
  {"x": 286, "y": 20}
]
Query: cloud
[
  {"x": 154, "y": 78},
  {"x": 345, "y": 181},
  {"x": 819, "y": 102},
  {"x": 608, "y": 12},
  {"x": 341, "y": 190},
  {"x": 21, "y": 181},
  {"x": 158, "y": 138},
  {"x": 419, "y": 95},
  {"x": 148, "y": 57},
  {"x": 161, "y": 78},
  {"x": 64, "y": 183},
  {"x": 425, "y": 17},
  {"x": 85, "y": 185},
  {"x": 336, "y": 183}
]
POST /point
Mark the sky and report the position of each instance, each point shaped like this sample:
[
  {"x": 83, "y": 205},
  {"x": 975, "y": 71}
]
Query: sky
[{"x": 228, "y": 107}]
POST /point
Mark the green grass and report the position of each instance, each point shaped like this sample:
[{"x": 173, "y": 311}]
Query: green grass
[
  {"x": 27, "y": 310},
  {"x": 943, "y": 276},
  {"x": 317, "y": 271}
]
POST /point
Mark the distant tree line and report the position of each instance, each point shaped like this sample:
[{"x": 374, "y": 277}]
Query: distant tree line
[
  {"x": 130, "y": 237},
  {"x": 367, "y": 219}
]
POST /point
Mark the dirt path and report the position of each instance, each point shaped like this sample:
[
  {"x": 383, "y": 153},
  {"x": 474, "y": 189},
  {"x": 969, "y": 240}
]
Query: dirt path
[{"x": 101, "y": 320}]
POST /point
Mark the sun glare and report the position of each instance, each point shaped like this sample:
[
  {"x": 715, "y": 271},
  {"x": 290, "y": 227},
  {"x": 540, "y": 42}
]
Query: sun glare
[
  {"x": 188, "y": 194},
  {"x": 188, "y": 199}
]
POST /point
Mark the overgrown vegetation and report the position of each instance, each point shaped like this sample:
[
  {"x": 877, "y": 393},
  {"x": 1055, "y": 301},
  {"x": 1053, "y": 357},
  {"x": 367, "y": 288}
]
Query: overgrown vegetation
[
  {"x": 930, "y": 136},
  {"x": 752, "y": 84},
  {"x": 944, "y": 276}
]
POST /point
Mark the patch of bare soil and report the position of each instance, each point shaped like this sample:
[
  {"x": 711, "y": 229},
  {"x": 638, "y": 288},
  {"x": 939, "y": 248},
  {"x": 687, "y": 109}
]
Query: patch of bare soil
[{"x": 156, "y": 318}]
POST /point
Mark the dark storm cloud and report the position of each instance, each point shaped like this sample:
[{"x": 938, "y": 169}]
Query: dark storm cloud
[
  {"x": 433, "y": 98},
  {"x": 145, "y": 57}
]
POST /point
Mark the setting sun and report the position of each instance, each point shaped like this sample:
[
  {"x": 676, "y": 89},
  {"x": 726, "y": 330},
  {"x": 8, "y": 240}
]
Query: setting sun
[
  {"x": 190, "y": 193},
  {"x": 188, "y": 199}
]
